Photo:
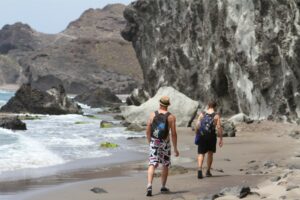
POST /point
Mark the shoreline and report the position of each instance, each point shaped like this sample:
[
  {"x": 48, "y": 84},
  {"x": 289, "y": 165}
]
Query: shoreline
[
  {"x": 9, "y": 87},
  {"x": 244, "y": 160}
]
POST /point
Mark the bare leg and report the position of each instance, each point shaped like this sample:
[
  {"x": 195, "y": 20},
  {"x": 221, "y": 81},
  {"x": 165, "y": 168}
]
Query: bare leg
[
  {"x": 164, "y": 175},
  {"x": 200, "y": 160},
  {"x": 209, "y": 160},
  {"x": 151, "y": 170}
]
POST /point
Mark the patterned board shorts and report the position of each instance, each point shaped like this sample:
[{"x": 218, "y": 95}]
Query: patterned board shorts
[{"x": 160, "y": 152}]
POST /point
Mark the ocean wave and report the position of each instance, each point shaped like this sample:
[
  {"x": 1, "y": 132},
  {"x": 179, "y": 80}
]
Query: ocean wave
[{"x": 25, "y": 153}]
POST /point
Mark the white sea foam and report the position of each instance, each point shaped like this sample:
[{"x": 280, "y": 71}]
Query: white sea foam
[
  {"x": 25, "y": 152},
  {"x": 57, "y": 139}
]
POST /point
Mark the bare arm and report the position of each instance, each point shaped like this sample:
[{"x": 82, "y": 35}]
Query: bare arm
[
  {"x": 198, "y": 122},
  {"x": 220, "y": 130},
  {"x": 172, "y": 121},
  {"x": 148, "y": 129}
]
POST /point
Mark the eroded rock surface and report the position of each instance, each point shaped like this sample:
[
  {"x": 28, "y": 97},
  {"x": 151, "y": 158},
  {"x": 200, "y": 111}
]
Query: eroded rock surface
[{"x": 243, "y": 52}]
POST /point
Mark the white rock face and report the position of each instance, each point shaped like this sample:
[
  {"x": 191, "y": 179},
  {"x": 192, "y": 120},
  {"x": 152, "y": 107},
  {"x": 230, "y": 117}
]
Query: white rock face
[{"x": 181, "y": 106}]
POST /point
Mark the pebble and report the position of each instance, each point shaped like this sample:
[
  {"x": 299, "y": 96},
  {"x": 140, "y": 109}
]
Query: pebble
[{"x": 98, "y": 190}]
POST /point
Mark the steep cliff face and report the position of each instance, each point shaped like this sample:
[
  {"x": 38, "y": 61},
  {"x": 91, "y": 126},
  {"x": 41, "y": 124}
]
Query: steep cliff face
[{"x": 245, "y": 53}]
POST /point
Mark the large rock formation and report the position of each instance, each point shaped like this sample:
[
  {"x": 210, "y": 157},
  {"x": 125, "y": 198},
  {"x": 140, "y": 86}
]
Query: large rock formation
[
  {"x": 98, "y": 97},
  {"x": 90, "y": 53},
  {"x": 29, "y": 100},
  {"x": 181, "y": 106},
  {"x": 245, "y": 53}
]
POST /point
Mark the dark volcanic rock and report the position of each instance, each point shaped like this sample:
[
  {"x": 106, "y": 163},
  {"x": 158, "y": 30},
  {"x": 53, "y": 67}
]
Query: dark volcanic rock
[
  {"x": 137, "y": 97},
  {"x": 98, "y": 190},
  {"x": 245, "y": 54},
  {"x": 12, "y": 123},
  {"x": 98, "y": 97},
  {"x": 29, "y": 100}
]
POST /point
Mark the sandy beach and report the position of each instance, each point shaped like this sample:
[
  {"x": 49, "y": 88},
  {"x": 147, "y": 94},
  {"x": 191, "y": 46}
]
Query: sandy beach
[
  {"x": 9, "y": 87},
  {"x": 262, "y": 156}
]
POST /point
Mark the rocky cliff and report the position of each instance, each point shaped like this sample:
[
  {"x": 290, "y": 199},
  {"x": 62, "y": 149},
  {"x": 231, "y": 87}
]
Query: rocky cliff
[
  {"x": 90, "y": 53},
  {"x": 245, "y": 53}
]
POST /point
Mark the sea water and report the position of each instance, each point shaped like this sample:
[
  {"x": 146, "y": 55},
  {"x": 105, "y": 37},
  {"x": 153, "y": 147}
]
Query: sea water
[{"x": 56, "y": 140}]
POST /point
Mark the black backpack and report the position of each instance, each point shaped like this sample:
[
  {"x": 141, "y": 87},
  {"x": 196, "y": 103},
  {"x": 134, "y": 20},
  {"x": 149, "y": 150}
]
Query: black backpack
[
  {"x": 159, "y": 126},
  {"x": 207, "y": 126}
]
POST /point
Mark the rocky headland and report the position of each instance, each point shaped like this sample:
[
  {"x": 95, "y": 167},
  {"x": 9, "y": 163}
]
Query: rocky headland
[{"x": 89, "y": 53}]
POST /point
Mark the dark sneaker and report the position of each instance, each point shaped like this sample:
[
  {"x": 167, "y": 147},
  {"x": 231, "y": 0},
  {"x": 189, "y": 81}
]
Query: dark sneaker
[
  {"x": 164, "y": 190},
  {"x": 200, "y": 174},
  {"x": 208, "y": 174},
  {"x": 149, "y": 191}
]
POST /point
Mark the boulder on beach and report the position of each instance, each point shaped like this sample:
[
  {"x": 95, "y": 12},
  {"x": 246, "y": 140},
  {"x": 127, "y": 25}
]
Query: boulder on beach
[
  {"x": 137, "y": 97},
  {"x": 229, "y": 129},
  {"x": 29, "y": 100},
  {"x": 12, "y": 122},
  {"x": 181, "y": 106},
  {"x": 240, "y": 118},
  {"x": 99, "y": 97}
]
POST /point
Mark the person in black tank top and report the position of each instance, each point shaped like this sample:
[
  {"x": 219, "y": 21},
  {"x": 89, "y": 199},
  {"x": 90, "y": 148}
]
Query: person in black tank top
[
  {"x": 207, "y": 124},
  {"x": 158, "y": 127}
]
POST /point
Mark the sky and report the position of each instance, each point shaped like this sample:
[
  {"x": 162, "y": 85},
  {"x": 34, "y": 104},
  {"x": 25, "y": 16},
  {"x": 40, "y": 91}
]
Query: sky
[{"x": 48, "y": 16}]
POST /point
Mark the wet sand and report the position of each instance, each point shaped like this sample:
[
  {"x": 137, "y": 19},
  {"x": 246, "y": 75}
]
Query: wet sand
[{"x": 259, "y": 152}]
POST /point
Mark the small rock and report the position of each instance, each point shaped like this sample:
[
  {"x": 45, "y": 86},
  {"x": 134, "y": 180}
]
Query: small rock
[
  {"x": 275, "y": 179},
  {"x": 252, "y": 161},
  {"x": 282, "y": 183},
  {"x": 125, "y": 123},
  {"x": 294, "y": 166},
  {"x": 295, "y": 134},
  {"x": 13, "y": 123},
  {"x": 106, "y": 124},
  {"x": 135, "y": 128},
  {"x": 238, "y": 191},
  {"x": 209, "y": 197},
  {"x": 227, "y": 159},
  {"x": 282, "y": 197},
  {"x": 255, "y": 167},
  {"x": 291, "y": 187},
  {"x": 98, "y": 190},
  {"x": 119, "y": 117},
  {"x": 229, "y": 129},
  {"x": 108, "y": 145},
  {"x": 286, "y": 174},
  {"x": 270, "y": 164},
  {"x": 135, "y": 137}
]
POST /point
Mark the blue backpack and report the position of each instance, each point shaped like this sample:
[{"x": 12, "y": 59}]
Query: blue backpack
[
  {"x": 160, "y": 127},
  {"x": 207, "y": 127}
]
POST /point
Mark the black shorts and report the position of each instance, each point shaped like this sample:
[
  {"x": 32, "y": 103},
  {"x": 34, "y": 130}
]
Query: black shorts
[{"x": 207, "y": 144}]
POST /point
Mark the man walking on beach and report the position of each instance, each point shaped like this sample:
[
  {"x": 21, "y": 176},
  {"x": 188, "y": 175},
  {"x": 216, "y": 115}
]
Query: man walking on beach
[
  {"x": 158, "y": 127},
  {"x": 207, "y": 124}
]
